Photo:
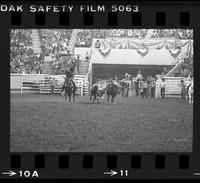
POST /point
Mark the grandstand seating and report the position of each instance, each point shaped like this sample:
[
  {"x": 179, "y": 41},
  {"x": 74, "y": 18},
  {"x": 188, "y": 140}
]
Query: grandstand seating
[
  {"x": 35, "y": 36},
  {"x": 26, "y": 44},
  {"x": 48, "y": 69},
  {"x": 73, "y": 40}
]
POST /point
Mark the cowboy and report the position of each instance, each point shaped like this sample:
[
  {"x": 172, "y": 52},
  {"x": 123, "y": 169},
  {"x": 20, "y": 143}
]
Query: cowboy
[
  {"x": 153, "y": 87},
  {"x": 52, "y": 85},
  {"x": 183, "y": 89},
  {"x": 139, "y": 75},
  {"x": 68, "y": 75},
  {"x": 145, "y": 88},
  {"x": 162, "y": 88}
]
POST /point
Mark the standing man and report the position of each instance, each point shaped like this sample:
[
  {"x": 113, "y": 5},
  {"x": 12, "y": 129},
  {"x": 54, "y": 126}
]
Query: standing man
[
  {"x": 52, "y": 85},
  {"x": 133, "y": 86},
  {"x": 153, "y": 87},
  {"x": 183, "y": 88},
  {"x": 149, "y": 79},
  {"x": 162, "y": 88},
  {"x": 77, "y": 63},
  {"x": 136, "y": 84},
  {"x": 139, "y": 75},
  {"x": 145, "y": 88}
]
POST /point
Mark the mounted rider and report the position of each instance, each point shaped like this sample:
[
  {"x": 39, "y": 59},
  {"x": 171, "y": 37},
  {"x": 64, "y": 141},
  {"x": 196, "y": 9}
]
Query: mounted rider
[{"x": 68, "y": 77}]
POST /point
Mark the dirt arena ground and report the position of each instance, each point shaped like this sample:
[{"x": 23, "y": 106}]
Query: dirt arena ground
[{"x": 45, "y": 123}]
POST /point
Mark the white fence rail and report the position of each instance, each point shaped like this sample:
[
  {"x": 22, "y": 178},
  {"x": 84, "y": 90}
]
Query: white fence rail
[
  {"x": 173, "y": 86},
  {"x": 40, "y": 83}
]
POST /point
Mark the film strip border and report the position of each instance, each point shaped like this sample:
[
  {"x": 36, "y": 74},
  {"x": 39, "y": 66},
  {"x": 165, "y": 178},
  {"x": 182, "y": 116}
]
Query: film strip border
[
  {"x": 112, "y": 19},
  {"x": 98, "y": 165},
  {"x": 146, "y": 15},
  {"x": 89, "y": 165}
]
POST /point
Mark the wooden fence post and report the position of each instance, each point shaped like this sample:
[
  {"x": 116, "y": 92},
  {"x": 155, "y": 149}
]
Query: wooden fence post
[
  {"x": 81, "y": 87},
  {"x": 21, "y": 84}
]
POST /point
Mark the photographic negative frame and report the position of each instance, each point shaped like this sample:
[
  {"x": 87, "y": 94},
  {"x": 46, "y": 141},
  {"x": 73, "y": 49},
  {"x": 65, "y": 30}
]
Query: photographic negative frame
[{"x": 90, "y": 164}]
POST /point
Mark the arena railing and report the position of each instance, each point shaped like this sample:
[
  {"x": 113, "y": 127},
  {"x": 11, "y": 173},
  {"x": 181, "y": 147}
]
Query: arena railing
[
  {"x": 40, "y": 84},
  {"x": 173, "y": 86}
]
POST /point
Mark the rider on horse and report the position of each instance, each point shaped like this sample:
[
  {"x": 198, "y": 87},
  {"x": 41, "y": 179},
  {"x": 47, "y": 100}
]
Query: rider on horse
[{"x": 68, "y": 77}]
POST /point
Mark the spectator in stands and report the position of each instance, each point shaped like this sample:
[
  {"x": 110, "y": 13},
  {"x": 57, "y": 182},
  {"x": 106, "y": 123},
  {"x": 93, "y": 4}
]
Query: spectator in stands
[
  {"x": 55, "y": 41},
  {"x": 22, "y": 57},
  {"x": 87, "y": 57},
  {"x": 162, "y": 88},
  {"x": 97, "y": 44},
  {"x": 164, "y": 71}
]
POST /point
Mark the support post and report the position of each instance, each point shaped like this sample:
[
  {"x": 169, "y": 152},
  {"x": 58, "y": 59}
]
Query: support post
[
  {"x": 21, "y": 84},
  {"x": 81, "y": 87}
]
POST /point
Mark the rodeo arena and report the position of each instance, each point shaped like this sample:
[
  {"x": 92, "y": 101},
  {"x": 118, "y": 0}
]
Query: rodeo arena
[{"x": 101, "y": 90}]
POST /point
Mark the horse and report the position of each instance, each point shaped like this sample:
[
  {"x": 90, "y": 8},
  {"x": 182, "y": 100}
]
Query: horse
[
  {"x": 96, "y": 94},
  {"x": 70, "y": 90},
  {"x": 111, "y": 91}
]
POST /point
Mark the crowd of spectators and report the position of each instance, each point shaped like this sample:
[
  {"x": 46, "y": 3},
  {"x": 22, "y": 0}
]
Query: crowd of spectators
[
  {"x": 60, "y": 64},
  {"x": 22, "y": 57},
  {"x": 185, "y": 69},
  {"x": 85, "y": 36},
  {"x": 55, "y": 41},
  {"x": 173, "y": 33}
]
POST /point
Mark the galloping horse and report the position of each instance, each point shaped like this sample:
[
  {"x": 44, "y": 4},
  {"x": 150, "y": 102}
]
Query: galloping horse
[
  {"x": 70, "y": 89},
  {"x": 111, "y": 91}
]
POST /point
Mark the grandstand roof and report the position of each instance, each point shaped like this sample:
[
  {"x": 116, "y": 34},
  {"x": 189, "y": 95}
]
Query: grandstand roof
[{"x": 131, "y": 56}]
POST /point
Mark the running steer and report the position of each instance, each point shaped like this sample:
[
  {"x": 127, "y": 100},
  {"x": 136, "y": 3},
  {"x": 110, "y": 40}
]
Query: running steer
[{"x": 96, "y": 94}]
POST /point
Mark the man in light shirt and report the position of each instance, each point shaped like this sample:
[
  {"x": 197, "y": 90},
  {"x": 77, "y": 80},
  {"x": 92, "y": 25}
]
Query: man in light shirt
[
  {"x": 139, "y": 76},
  {"x": 162, "y": 88}
]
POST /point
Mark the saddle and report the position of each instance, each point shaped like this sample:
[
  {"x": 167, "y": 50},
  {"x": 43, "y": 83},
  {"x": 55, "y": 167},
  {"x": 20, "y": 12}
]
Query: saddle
[{"x": 68, "y": 81}]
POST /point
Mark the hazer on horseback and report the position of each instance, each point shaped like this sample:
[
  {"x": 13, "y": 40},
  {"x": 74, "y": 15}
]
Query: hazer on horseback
[
  {"x": 111, "y": 90},
  {"x": 69, "y": 86}
]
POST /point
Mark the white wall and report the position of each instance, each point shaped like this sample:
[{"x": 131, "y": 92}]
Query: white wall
[{"x": 130, "y": 56}]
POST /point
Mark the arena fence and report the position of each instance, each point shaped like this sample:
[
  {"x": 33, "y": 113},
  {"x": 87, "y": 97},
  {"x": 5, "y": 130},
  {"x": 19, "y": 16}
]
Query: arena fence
[
  {"x": 40, "y": 83},
  {"x": 173, "y": 86}
]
